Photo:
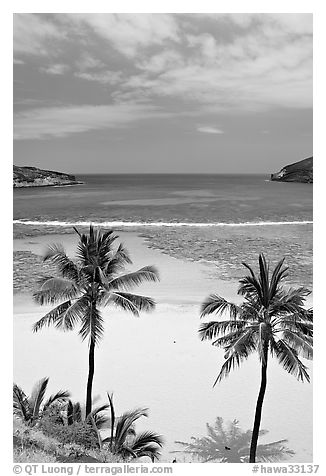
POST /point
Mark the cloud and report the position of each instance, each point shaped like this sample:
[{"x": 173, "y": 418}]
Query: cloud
[
  {"x": 55, "y": 69},
  {"x": 129, "y": 32},
  {"x": 87, "y": 62},
  {"x": 195, "y": 64},
  {"x": 18, "y": 61},
  {"x": 266, "y": 66},
  {"x": 104, "y": 77},
  {"x": 63, "y": 121},
  {"x": 209, "y": 130},
  {"x": 34, "y": 35}
]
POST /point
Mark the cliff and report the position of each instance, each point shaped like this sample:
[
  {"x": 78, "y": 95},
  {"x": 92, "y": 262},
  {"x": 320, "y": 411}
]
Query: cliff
[
  {"x": 34, "y": 177},
  {"x": 298, "y": 172}
]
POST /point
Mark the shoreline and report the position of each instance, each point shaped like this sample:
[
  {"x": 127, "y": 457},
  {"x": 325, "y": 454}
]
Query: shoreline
[
  {"x": 69, "y": 184},
  {"x": 220, "y": 250},
  {"x": 140, "y": 248}
]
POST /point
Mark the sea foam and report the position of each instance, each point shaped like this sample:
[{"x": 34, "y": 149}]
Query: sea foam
[{"x": 157, "y": 223}]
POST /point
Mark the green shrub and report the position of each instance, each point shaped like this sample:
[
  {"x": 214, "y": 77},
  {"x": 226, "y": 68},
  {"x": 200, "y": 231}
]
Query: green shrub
[{"x": 79, "y": 433}]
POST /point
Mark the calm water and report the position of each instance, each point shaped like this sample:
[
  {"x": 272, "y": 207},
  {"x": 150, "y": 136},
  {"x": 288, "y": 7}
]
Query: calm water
[{"x": 168, "y": 198}]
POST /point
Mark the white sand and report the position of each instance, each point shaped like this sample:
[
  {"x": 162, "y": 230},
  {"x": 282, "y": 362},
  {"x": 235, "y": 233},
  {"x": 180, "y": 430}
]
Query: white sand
[{"x": 158, "y": 361}]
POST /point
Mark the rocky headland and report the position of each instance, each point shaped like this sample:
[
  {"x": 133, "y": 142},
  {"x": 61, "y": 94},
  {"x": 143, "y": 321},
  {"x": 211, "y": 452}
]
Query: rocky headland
[
  {"x": 34, "y": 177},
  {"x": 301, "y": 171}
]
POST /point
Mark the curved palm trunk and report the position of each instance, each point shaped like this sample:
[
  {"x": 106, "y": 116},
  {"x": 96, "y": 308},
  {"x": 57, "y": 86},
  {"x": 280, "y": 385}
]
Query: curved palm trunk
[
  {"x": 259, "y": 406},
  {"x": 90, "y": 377}
]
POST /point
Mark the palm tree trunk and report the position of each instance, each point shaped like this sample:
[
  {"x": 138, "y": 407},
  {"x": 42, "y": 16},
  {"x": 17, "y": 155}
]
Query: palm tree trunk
[
  {"x": 90, "y": 377},
  {"x": 259, "y": 406}
]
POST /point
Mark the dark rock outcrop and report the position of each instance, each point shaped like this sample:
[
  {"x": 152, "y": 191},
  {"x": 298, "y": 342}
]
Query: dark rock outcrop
[
  {"x": 34, "y": 177},
  {"x": 298, "y": 172}
]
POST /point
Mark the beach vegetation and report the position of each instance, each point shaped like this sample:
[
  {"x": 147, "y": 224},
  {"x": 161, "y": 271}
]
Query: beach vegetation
[
  {"x": 32, "y": 408},
  {"x": 82, "y": 286},
  {"x": 125, "y": 441},
  {"x": 271, "y": 320}
]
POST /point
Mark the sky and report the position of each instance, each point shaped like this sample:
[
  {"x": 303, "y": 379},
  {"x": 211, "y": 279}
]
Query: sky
[{"x": 162, "y": 93}]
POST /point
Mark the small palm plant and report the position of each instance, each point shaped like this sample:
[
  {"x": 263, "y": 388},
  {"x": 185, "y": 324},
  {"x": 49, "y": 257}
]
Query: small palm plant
[
  {"x": 84, "y": 285},
  {"x": 30, "y": 409},
  {"x": 271, "y": 321},
  {"x": 124, "y": 440},
  {"x": 229, "y": 444},
  {"x": 75, "y": 413}
]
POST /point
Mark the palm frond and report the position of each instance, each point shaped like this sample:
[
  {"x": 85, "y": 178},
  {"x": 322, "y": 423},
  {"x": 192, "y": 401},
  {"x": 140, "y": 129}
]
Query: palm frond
[
  {"x": 70, "y": 412},
  {"x": 55, "y": 289},
  {"x": 125, "y": 423},
  {"x": 147, "y": 443},
  {"x": 145, "y": 438},
  {"x": 290, "y": 301},
  {"x": 128, "y": 281},
  {"x": 74, "y": 314},
  {"x": 21, "y": 404},
  {"x": 231, "y": 337},
  {"x": 298, "y": 341},
  {"x": 60, "y": 396},
  {"x": 264, "y": 279},
  {"x": 133, "y": 303},
  {"x": 278, "y": 275},
  {"x": 112, "y": 412},
  {"x": 236, "y": 353},
  {"x": 66, "y": 267},
  {"x": 210, "y": 330},
  {"x": 37, "y": 396},
  {"x": 118, "y": 261},
  {"x": 250, "y": 284},
  {"x": 51, "y": 317},
  {"x": 294, "y": 322},
  {"x": 288, "y": 358},
  {"x": 219, "y": 305},
  {"x": 100, "y": 418}
]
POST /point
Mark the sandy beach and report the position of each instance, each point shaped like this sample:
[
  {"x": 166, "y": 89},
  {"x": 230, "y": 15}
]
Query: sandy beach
[{"x": 158, "y": 361}]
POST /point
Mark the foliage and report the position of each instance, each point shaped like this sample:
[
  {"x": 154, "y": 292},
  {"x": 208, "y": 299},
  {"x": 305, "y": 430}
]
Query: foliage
[
  {"x": 79, "y": 433},
  {"x": 31, "y": 409},
  {"x": 32, "y": 445},
  {"x": 269, "y": 316},
  {"x": 229, "y": 444},
  {"x": 124, "y": 440},
  {"x": 270, "y": 320},
  {"x": 94, "y": 279}
]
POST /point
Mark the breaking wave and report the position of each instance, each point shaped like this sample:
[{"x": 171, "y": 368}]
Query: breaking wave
[{"x": 128, "y": 224}]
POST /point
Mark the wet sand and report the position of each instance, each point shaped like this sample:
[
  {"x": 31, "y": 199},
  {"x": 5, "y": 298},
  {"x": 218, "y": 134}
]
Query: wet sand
[{"x": 158, "y": 361}]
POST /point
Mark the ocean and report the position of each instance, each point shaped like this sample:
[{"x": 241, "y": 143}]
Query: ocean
[
  {"x": 148, "y": 198},
  {"x": 219, "y": 219}
]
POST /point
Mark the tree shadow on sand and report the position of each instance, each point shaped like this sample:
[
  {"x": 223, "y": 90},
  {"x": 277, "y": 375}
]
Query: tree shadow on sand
[{"x": 228, "y": 443}]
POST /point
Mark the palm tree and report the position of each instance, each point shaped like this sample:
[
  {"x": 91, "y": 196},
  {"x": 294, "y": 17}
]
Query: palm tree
[
  {"x": 271, "y": 320},
  {"x": 230, "y": 444},
  {"x": 91, "y": 281},
  {"x": 124, "y": 440},
  {"x": 30, "y": 409}
]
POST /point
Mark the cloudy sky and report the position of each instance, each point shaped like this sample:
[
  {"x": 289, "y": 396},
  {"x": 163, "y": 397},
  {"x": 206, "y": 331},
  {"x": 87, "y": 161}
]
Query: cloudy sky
[{"x": 162, "y": 92}]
